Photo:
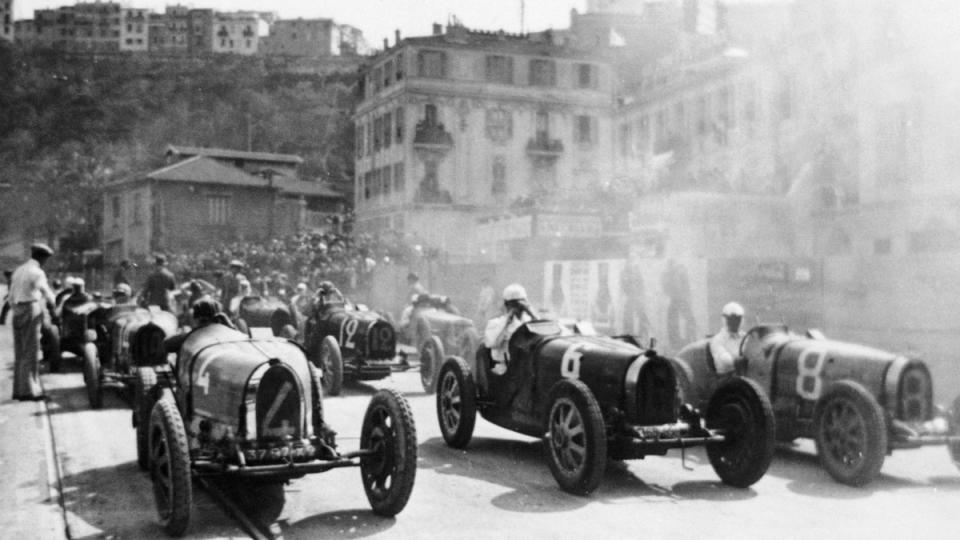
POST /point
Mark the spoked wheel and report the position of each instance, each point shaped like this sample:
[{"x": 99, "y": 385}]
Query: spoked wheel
[
  {"x": 954, "y": 447},
  {"x": 170, "y": 466},
  {"x": 389, "y": 471},
  {"x": 431, "y": 357},
  {"x": 456, "y": 402},
  {"x": 331, "y": 362},
  {"x": 742, "y": 411},
  {"x": 91, "y": 375},
  {"x": 142, "y": 407},
  {"x": 850, "y": 434},
  {"x": 576, "y": 438}
]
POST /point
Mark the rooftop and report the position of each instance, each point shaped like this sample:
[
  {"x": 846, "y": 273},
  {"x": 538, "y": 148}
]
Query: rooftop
[{"x": 222, "y": 153}]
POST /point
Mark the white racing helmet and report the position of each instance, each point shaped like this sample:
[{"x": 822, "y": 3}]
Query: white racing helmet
[
  {"x": 514, "y": 291},
  {"x": 732, "y": 309}
]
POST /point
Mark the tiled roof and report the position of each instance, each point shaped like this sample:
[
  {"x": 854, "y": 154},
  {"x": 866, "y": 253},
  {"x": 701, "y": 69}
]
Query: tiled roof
[
  {"x": 309, "y": 189},
  {"x": 205, "y": 170},
  {"x": 223, "y": 153}
]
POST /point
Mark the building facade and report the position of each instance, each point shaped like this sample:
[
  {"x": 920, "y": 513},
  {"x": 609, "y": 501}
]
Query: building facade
[
  {"x": 462, "y": 124},
  {"x": 7, "y": 27},
  {"x": 303, "y": 37},
  {"x": 134, "y": 29},
  {"x": 206, "y": 197},
  {"x": 236, "y": 33},
  {"x": 170, "y": 30}
]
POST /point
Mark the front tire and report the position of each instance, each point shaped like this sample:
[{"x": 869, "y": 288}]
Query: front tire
[
  {"x": 456, "y": 403},
  {"x": 91, "y": 375},
  {"x": 851, "y": 435},
  {"x": 331, "y": 362},
  {"x": 431, "y": 358},
  {"x": 576, "y": 438},
  {"x": 742, "y": 410},
  {"x": 142, "y": 407},
  {"x": 389, "y": 473},
  {"x": 170, "y": 466}
]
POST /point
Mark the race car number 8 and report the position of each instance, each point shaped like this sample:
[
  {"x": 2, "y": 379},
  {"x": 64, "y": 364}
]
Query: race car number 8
[
  {"x": 570, "y": 363},
  {"x": 348, "y": 333},
  {"x": 809, "y": 367}
]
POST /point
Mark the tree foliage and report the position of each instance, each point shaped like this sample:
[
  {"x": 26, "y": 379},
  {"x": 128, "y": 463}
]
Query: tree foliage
[{"x": 70, "y": 124}]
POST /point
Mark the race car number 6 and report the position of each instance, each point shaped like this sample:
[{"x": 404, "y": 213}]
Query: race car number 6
[
  {"x": 347, "y": 333},
  {"x": 570, "y": 363},
  {"x": 809, "y": 366}
]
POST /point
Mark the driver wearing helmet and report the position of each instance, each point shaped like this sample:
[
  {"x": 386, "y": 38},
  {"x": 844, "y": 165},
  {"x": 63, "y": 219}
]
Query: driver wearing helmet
[
  {"x": 725, "y": 344},
  {"x": 496, "y": 337},
  {"x": 205, "y": 311}
]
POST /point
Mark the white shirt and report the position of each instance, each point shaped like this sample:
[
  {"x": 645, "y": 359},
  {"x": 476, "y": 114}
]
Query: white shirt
[
  {"x": 497, "y": 334},
  {"x": 29, "y": 283},
  {"x": 725, "y": 348}
]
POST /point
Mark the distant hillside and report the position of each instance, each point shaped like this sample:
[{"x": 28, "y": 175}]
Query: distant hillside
[{"x": 70, "y": 123}]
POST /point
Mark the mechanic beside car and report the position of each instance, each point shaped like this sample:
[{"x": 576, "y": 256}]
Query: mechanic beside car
[
  {"x": 499, "y": 329},
  {"x": 725, "y": 344}
]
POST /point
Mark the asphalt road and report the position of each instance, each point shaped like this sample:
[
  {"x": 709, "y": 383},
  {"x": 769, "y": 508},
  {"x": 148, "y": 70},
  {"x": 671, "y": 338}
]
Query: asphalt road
[{"x": 500, "y": 487}]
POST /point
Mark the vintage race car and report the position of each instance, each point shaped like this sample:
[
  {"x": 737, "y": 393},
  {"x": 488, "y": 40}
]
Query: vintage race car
[
  {"x": 112, "y": 342},
  {"x": 857, "y": 403},
  {"x": 591, "y": 398},
  {"x": 435, "y": 332},
  {"x": 267, "y": 313},
  {"x": 347, "y": 341},
  {"x": 239, "y": 407}
]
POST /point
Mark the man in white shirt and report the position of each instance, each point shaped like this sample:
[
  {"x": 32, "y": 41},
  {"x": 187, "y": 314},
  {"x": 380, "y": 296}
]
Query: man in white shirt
[
  {"x": 725, "y": 344},
  {"x": 29, "y": 295},
  {"x": 499, "y": 329}
]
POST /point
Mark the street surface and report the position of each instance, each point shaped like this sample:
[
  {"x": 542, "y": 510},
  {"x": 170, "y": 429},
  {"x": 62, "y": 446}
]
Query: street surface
[{"x": 500, "y": 487}]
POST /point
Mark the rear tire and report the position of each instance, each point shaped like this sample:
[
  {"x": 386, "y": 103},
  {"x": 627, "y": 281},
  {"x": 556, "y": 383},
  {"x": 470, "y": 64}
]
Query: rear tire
[
  {"x": 331, "y": 362},
  {"x": 456, "y": 402},
  {"x": 576, "y": 437},
  {"x": 851, "y": 435},
  {"x": 91, "y": 375},
  {"x": 743, "y": 411},
  {"x": 389, "y": 473},
  {"x": 170, "y": 466},
  {"x": 142, "y": 407},
  {"x": 431, "y": 358}
]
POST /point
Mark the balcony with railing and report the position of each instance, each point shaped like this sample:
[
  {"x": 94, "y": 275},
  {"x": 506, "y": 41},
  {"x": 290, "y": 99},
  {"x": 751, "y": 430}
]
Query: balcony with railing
[{"x": 432, "y": 136}]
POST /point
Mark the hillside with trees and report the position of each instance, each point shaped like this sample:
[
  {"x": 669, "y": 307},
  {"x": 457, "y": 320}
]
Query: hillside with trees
[{"x": 69, "y": 124}]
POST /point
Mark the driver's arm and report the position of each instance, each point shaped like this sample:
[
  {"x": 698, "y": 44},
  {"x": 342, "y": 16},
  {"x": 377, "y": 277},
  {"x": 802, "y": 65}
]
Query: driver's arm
[{"x": 722, "y": 358}]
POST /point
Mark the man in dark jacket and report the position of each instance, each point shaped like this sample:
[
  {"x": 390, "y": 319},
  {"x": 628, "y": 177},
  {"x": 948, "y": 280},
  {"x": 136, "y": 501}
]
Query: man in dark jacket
[{"x": 159, "y": 285}]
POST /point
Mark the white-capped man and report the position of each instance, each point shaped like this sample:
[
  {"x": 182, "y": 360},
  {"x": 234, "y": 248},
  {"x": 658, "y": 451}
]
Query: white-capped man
[
  {"x": 725, "y": 344},
  {"x": 29, "y": 295},
  {"x": 496, "y": 337}
]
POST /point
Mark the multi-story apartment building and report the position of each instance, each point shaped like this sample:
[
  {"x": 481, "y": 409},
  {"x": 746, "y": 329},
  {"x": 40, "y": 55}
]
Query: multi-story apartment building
[
  {"x": 201, "y": 31},
  {"x": 236, "y": 33},
  {"x": 55, "y": 27},
  {"x": 7, "y": 28},
  {"x": 134, "y": 29},
  {"x": 97, "y": 27},
  {"x": 303, "y": 37},
  {"x": 25, "y": 32},
  {"x": 170, "y": 30},
  {"x": 460, "y": 125}
]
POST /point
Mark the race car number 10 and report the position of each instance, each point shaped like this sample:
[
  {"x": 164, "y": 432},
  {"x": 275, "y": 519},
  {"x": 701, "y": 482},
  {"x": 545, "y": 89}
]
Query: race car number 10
[{"x": 809, "y": 367}]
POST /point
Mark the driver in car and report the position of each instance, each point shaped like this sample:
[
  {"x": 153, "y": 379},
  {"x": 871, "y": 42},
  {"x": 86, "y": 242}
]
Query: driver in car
[
  {"x": 725, "y": 344},
  {"x": 206, "y": 311},
  {"x": 499, "y": 329}
]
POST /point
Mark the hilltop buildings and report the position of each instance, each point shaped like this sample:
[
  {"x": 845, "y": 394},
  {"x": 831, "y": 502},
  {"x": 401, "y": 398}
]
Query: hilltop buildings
[{"x": 7, "y": 26}]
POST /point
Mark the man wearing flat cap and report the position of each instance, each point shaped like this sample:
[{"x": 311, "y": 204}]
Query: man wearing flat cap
[
  {"x": 159, "y": 285},
  {"x": 29, "y": 295}
]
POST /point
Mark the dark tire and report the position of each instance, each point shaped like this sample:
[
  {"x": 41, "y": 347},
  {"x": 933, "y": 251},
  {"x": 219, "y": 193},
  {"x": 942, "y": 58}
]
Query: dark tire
[
  {"x": 431, "y": 358},
  {"x": 242, "y": 326},
  {"x": 91, "y": 375},
  {"x": 330, "y": 361},
  {"x": 143, "y": 399},
  {"x": 954, "y": 447},
  {"x": 576, "y": 438},
  {"x": 456, "y": 402},
  {"x": 741, "y": 409},
  {"x": 50, "y": 344},
  {"x": 389, "y": 473},
  {"x": 170, "y": 466},
  {"x": 316, "y": 387},
  {"x": 850, "y": 433}
]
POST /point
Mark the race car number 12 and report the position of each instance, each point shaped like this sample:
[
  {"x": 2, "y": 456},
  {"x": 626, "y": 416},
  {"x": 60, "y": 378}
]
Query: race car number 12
[
  {"x": 809, "y": 367},
  {"x": 570, "y": 363}
]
